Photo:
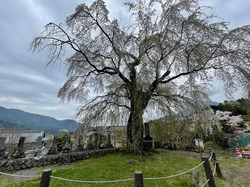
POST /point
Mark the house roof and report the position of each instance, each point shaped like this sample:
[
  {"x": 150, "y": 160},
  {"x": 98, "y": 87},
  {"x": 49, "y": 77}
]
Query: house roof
[{"x": 13, "y": 137}]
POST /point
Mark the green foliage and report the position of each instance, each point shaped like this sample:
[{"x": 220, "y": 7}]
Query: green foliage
[
  {"x": 173, "y": 133},
  {"x": 238, "y": 107},
  {"x": 219, "y": 137},
  {"x": 244, "y": 104},
  {"x": 163, "y": 132},
  {"x": 61, "y": 140},
  {"x": 182, "y": 133},
  {"x": 226, "y": 128},
  {"x": 212, "y": 144},
  {"x": 6, "y": 154}
]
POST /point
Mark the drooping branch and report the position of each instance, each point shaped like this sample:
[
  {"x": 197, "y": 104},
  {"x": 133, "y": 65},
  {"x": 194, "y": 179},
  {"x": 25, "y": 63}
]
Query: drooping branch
[{"x": 161, "y": 60}]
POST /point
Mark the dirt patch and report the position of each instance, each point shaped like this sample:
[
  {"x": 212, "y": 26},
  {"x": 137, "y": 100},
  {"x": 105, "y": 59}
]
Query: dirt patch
[
  {"x": 33, "y": 172},
  {"x": 27, "y": 172}
]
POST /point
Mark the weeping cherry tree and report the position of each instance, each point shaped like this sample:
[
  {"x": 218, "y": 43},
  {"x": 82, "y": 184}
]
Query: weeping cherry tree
[{"x": 158, "y": 60}]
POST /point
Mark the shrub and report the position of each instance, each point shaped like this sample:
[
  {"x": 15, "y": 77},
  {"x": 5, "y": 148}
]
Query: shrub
[{"x": 212, "y": 144}]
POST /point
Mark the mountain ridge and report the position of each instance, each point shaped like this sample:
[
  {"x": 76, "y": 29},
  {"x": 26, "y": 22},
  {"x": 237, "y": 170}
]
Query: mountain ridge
[{"x": 35, "y": 122}]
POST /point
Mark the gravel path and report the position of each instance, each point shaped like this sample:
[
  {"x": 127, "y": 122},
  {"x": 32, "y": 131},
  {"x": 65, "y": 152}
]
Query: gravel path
[
  {"x": 189, "y": 153},
  {"x": 186, "y": 153}
]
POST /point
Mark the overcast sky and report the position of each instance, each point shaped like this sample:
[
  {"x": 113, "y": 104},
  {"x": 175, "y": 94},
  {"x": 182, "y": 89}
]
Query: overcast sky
[{"x": 28, "y": 84}]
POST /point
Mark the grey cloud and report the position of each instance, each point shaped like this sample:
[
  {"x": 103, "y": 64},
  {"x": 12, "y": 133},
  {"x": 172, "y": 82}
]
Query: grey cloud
[
  {"x": 26, "y": 83},
  {"x": 234, "y": 11}
]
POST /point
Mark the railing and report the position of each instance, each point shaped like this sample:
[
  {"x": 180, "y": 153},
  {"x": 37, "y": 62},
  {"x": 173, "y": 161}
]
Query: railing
[{"x": 138, "y": 179}]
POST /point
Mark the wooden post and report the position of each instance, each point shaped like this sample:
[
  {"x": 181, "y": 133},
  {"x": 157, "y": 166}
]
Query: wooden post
[
  {"x": 45, "y": 179},
  {"x": 216, "y": 164},
  {"x": 208, "y": 171},
  {"x": 218, "y": 171},
  {"x": 138, "y": 179}
]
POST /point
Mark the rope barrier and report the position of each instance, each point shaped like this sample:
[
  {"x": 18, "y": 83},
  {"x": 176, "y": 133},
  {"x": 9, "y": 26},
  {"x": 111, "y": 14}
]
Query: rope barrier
[
  {"x": 210, "y": 158},
  {"x": 214, "y": 169},
  {"x": 113, "y": 181},
  {"x": 205, "y": 183},
  {"x": 125, "y": 180},
  {"x": 98, "y": 182},
  {"x": 21, "y": 176},
  {"x": 176, "y": 175},
  {"x": 92, "y": 182}
]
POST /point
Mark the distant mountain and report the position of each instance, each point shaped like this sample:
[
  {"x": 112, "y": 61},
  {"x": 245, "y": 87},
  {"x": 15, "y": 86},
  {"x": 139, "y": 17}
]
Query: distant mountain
[
  {"x": 211, "y": 103},
  {"x": 6, "y": 126},
  {"x": 18, "y": 119}
]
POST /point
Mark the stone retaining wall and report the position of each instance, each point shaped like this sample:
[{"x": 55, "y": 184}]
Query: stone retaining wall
[{"x": 58, "y": 159}]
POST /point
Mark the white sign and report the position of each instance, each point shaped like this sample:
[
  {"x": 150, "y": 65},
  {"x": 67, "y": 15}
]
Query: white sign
[{"x": 199, "y": 143}]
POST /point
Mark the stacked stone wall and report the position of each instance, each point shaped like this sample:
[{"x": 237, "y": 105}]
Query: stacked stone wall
[{"x": 57, "y": 159}]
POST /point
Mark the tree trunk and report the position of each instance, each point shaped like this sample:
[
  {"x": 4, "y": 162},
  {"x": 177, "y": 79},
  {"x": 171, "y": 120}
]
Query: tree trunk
[
  {"x": 135, "y": 126},
  {"x": 135, "y": 132},
  {"x": 129, "y": 134},
  {"x": 138, "y": 102}
]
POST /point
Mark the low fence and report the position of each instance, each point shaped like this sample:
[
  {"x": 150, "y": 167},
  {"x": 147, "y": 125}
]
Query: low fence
[{"x": 138, "y": 175}]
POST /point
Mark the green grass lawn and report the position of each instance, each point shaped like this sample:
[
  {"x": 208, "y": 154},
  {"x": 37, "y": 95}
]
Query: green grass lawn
[{"x": 115, "y": 167}]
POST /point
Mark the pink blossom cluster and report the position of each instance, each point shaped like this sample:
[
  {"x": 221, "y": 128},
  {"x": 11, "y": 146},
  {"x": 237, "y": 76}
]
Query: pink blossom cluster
[{"x": 227, "y": 116}]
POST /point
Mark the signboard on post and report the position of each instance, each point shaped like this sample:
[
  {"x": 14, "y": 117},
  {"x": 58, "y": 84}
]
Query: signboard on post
[{"x": 199, "y": 143}]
